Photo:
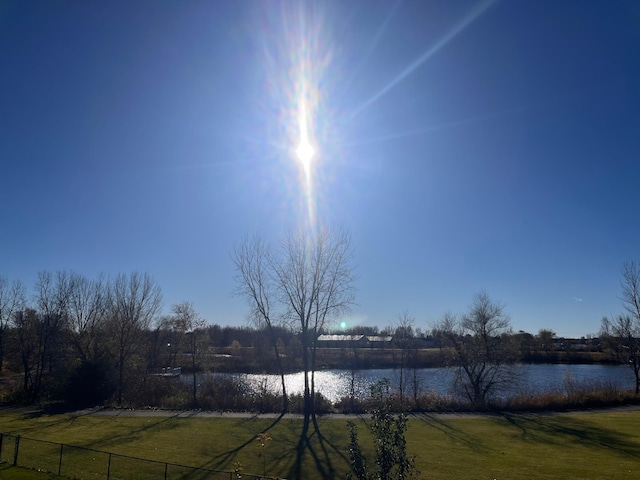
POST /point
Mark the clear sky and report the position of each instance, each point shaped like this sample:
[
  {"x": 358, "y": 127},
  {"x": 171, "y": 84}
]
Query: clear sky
[{"x": 466, "y": 145}]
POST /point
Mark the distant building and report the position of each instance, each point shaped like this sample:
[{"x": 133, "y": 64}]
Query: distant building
[
  {"x": 354, "y": 341},
  {"x": 379, "y": 341}
]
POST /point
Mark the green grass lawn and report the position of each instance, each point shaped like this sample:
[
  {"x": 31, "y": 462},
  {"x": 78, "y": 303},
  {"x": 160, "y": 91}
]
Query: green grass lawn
[
  {"x": 603, "y": 445},
  {"x": 18, "y": 473}
]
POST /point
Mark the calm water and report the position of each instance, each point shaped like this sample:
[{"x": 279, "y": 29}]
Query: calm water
[{"x": 335, "y": 384}]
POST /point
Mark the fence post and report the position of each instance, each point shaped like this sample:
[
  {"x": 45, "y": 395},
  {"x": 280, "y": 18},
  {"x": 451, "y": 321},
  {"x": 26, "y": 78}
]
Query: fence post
[
  {"x": 166, "y": 467},
  {"x": 1, "y": 439},
  {"x": 15, "y": 451},
  {"x": 109, "y": 468},
  {"x": 60, "y": 462}
]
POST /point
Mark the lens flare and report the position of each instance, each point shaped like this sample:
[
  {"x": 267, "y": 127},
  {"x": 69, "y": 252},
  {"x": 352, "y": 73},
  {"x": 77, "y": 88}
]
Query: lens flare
[
  {"x": 305, "y": 153},
  {"x": 296, "y": 56}
]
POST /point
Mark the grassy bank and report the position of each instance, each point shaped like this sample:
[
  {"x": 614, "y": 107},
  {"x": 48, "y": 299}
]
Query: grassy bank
[{"x": 603, "y": 445}]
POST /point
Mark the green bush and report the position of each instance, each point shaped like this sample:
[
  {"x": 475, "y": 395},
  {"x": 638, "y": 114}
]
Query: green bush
[{"x": 388, "y": 433}]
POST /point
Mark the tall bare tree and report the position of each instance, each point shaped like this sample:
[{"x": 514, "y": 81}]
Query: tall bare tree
[
  {"x": 481, "y": 347},
  {"x": 12, "y": 300},
  {"x": 135, "y": 300},
  {"x": 314, "y": 278},
  {"x": 255, "y": 283},
  {"x": 40, "y": 332},
  {"x": 631, "y": 289},
  {"x": 27, "y": 324},
  {"x": 623, "y": 331},
  {"x": 88, "y": 303},
  {"x": 305, "y": 282}
]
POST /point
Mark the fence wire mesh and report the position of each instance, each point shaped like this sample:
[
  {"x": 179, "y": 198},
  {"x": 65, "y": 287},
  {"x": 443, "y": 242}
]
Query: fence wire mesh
[{"x": 86, "y": 463}]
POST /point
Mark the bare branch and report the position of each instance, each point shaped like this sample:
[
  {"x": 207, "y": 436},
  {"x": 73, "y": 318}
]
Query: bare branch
[{"x": 480, "y": 348}]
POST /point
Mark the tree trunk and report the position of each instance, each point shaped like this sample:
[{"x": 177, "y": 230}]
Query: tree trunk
[
  {"x": 285, "y": 398},
  {"x": 1, "y": 347},
  {"x": 307, "y": 401},
  {"x": 193, "y": 372},
  {"x": 120, "y": 379}
]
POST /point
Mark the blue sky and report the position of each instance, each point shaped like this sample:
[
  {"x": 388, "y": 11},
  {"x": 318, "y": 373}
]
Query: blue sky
[{"x": 466, "y": 146}]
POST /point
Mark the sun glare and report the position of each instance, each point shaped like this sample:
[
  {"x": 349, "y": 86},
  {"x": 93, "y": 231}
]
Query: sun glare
[
  {"x": 305, "y": 153},
  {"x": 295, "y": 64},
  {"x": 305, "y": 150}
]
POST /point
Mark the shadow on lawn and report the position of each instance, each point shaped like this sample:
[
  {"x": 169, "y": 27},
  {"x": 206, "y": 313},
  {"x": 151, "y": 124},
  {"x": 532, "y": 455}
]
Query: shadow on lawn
[
  {"x": 321, "y": 456},
  {"x": 560, "y": 430},
  {"x": 224, "y": 459},
  {"x": 311, "y": 443},
  {"x": 437, "y": 423},
  {"x": 57, "y": 417},
  {"x": 166, "y": 423}
]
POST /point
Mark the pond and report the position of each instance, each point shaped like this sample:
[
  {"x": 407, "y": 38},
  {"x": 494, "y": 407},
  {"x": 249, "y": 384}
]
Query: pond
[{"x": 538, "y": 378}]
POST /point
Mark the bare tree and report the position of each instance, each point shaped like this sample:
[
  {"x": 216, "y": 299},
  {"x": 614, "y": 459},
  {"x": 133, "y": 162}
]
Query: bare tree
[
  {"x": 631, "y": 289},
  {"x": 40, "y": 332},
  {"x": 314, "y": 278},
  {"x": 404, "y": 341},
  {"x": 134, "y": 301},
  {"x": 88, "y": 302},
  {"x": 189, "y": 323},
  {"x": 27, "y": 324},
  {"x": 12, "y": 300},
  {"x": 255, "y": 283},
  {"x": 481, "y": 348},
  {"x": 52, "y": 299},
  {"x": 623, "y": 331},
  {"x": 306, "y": 282}
]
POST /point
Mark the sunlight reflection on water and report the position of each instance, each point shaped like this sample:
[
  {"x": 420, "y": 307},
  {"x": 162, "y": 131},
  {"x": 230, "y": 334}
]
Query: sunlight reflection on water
[{"x": 336, "y": 384}]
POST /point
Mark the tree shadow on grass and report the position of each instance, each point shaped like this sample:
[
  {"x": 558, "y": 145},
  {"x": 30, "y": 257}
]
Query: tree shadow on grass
[
  {"x": 57, "y": 419},
  {"x": 153, "y": 422},
  {"x": 224, "y": 459},
  {"x": 560, "y": 430},
  {"x": 437, "y": 423},
  {"x": 311, "y": 444},
  {"x": 101, "y": 443},
  {"x": 321, "y": 454}
]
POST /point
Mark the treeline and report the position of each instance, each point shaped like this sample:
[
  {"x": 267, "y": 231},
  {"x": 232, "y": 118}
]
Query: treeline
[
  {"x": 89, "y": 341},
  {"x": 76, "y": 335},
  {"x": 97, "y": 340}
]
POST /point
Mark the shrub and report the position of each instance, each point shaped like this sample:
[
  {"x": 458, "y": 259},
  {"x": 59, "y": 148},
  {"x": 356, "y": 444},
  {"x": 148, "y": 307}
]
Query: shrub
[
  {"x": 388, "y": 432},
  {"x": 225, "y": 393},
  {"x": 88, "y": 385}
]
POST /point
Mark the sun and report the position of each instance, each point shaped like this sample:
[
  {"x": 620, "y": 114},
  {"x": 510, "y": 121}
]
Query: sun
[{"x": 304, "y": 151}]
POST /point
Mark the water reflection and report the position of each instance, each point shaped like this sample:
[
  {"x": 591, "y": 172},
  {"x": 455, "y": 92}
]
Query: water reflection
[{"x": 337, "y": 384}]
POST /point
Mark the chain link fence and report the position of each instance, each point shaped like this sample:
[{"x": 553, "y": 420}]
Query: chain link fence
[{"x": 87, "y": 463}]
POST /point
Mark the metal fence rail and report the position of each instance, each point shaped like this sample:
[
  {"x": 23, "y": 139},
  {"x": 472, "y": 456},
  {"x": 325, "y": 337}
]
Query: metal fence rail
[{"x": 87, "y": 463}]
